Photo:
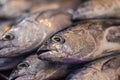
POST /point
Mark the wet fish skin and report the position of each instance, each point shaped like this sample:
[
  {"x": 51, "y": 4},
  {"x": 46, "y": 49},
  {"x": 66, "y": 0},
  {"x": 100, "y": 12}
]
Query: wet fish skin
[
  {"x": 4, "y": 26},
  {"x": 14, "y": 8},
  {"x": 18, "y": 8},
  {"x": 98, "y": 9},
  {"x": 38, "y": 70},
  {"x": 32, "y": 31},
  {"x": 9, "y": 63},
  {"x": 65, "y": 5},
  {"x": 82, "y": 43},
  {"x": 104, "y": 69}
]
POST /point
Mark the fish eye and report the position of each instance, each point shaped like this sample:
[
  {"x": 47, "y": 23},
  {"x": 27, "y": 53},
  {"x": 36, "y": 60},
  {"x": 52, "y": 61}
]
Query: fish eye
[
  {"x": 22, "y": 65},
  {"x": 58, "y": 39},
  {"x": 8, "y": 37}
]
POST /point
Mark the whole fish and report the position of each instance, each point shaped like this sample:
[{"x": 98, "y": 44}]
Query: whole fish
[
  {"x": 84, "y": 42},
  {"x": 33, "y": 68},
  {"x": 32, "y": 31},
  {"x": 98, "y": 9},
  {"x": 104, "y": 69}
]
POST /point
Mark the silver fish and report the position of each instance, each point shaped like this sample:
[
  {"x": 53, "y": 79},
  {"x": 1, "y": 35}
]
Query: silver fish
[
  {"x": 82, "y": 43},
  {"x": 32, "y": 32},
  {"x": 104, "y": 69},
  {"x": 98, "y": 9},
  {"x": 9, "y": 63},
  {"x": 66, "y": 5},
  {"x": 33, "y": 68}
]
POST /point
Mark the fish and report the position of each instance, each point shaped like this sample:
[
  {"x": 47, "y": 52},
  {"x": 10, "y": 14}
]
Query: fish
[
  {"x": 65, "y": 5},
  {"x": 84, "y": 42},
  {"x": 103, "y": 69},
  {"x": 97, "y": 9},
  {"x": 18, "y": 8},
  {"x": 32, "y": 31},
  {"x": 9, "y": 63},
  {"x": 4, "y": 27},
  {"x": 33, "y": 68},
  {"x": 13, "y": 8}
]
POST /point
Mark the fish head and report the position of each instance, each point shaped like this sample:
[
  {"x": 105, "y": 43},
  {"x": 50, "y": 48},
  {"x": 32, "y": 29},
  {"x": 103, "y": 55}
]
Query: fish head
[
  {"x": 72, "y": 45},
  {"x": 27, "y": 69},
  {"x": 32, "y": 31},
  {"x": 20, "y": 36},
  {"x": 89, "y": 41},
  {"x": 34, "y": 68}
]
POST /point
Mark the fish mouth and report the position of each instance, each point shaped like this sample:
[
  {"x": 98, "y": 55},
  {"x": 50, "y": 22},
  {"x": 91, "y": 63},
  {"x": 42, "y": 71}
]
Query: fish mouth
[{"x": 49, "y": 56}]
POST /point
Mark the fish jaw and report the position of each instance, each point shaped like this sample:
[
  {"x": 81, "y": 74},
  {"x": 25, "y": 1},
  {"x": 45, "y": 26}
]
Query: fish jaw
[{"x": 50, "y": 56}]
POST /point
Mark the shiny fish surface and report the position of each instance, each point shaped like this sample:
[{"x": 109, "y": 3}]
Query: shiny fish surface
[
  {"x": 34, "y": 69},
  {"x": 82, "y": 43},
  {"x": 32, "y": 31},
  {"x": 98, "y": 9},
  {"x": 104, "y": 69}
]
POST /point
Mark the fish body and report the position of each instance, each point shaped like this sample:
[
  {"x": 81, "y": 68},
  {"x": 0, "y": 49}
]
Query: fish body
[
  {"x": 98, "y": 9},
  {"x": 33, "y": 68},
  {"x": 65, "y": 5},
  {"x": 9, "y": 63},
  {"x": 32, "y": 31},
  {"x": 13, "y": 8},
  {"x": 104, "y": 69},
  {"x": 82, "y": 43},
  {"x": 18, "y": 8}
]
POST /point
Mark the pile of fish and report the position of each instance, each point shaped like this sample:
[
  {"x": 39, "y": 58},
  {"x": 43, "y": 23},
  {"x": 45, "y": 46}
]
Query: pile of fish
[{"x": 60, "y": 39}]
